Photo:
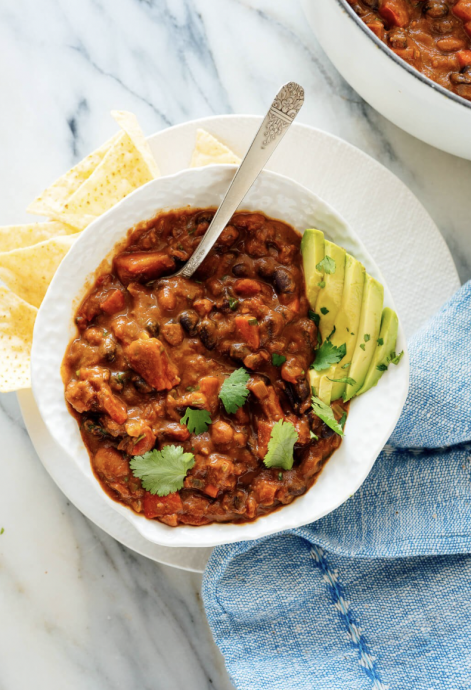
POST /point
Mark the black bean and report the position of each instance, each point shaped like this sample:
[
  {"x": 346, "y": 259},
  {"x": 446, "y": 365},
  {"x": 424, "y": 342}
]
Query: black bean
[
  {"x": 283, "y": 281},
  {"x": 140, "y": 385},
  {"x": 303, "y": 389},
  {"x": 239, "y": 351},
  {"x": 265, "y": 267},
  {"x": 189, "y": 321},
  {"x": 463, "y": 77},
  {"x": 207, "y": 333},
  {"x": 153, "y": 327},
  {"x": 443, "y": 26},
  {"x": 240, "y": 270},
  {"x": 435, "y": 8},
  {"x": 398, "y": 39}
]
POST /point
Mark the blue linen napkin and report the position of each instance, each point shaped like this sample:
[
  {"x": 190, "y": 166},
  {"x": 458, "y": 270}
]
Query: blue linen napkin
[{"x": 376, "y": 595}]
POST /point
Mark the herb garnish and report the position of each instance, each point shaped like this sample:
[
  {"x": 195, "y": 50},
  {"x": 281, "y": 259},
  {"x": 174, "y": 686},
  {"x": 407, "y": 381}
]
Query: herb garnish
[
  {"x": 325, "y": 413},
  {"x": 162, "y": 472},
  {"x": 277, "y": 360},
  {"x": 324, "y": 310},
  {"x": 327, "y": 265},
  {"x": 345, "y": 379},
  {"x": 234, "y": 391},
  {"x": 321, "y": 284},
  {"x": 313, "y": 316},
  {"x": 327, "y": 355},
  {"x": 280, "y": 446},
  {"x": 233, "y": 303},
  {"x": 196, "y": 421}
]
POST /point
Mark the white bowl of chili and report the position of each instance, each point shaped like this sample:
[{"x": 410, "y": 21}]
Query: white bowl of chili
[
  {"x": 404, "y": 95},
  {"x": 372, "y": 416}
]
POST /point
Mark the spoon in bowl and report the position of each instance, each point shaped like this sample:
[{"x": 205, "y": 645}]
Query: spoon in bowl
[{"x": 281, "y": 114}]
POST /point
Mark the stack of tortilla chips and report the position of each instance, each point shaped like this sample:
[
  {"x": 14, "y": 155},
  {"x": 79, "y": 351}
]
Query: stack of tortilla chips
[{"x": 30, "y": 254}]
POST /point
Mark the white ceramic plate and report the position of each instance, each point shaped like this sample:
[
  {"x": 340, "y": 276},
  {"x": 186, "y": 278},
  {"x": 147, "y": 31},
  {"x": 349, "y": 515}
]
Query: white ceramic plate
[
  {"x": 371, "y": 419},
  {"x": 346, "y": 178}
]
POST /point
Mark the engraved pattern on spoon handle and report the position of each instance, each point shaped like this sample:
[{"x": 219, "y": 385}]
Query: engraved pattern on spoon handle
[{"x": 286, "y": 105}]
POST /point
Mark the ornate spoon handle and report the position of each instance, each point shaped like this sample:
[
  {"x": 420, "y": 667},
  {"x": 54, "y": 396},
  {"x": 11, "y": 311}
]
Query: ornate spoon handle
[{"x": 286, "y": 105}]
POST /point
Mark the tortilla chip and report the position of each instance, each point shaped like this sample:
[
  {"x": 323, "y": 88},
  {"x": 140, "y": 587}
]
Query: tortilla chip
[
  {"x": 54, "y": 197},
  {"x": 17, "y": 236},
  {"x": 28, "y": 271},
  {"x": 121, "y": 171},
  {"x": 16, "y": 337},
  {"x": 128, "y": 122},
  {"x": 209, "y": 150}
]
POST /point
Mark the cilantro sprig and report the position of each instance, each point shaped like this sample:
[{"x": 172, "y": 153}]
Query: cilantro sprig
[
  {"x": 277, "y": 360},
  {"x": 196, "y": 421},
  {"x": 327, "y": 265},
  {"x": 325, "y": 413},
  {"x": 327, "y": 355},
  {"x": 162, "y": 472},
  {"x": 234, "y": 390},
  {"x": 345, "y": 379},
  {"x": 280, "y": 446}
]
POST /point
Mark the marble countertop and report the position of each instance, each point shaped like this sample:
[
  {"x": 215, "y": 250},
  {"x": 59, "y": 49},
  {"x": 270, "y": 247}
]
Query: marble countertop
[{"x": 77, "y": 610}]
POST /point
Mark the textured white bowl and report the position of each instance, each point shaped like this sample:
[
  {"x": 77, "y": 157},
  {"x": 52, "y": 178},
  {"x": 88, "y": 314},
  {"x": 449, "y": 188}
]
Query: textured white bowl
[
  {"x": 408, "y": 98},
  {"x": 372, "y": 416}
]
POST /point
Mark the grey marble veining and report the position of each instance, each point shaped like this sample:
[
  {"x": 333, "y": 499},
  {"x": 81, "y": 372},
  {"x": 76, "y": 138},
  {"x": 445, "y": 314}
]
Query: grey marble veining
[{"x": 77, "y": 610}]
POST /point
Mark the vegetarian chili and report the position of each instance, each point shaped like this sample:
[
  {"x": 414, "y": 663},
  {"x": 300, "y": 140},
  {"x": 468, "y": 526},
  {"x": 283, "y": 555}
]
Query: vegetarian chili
[
  {"x": 434, "y": 36},
  {"x": 152, "y": 354}
]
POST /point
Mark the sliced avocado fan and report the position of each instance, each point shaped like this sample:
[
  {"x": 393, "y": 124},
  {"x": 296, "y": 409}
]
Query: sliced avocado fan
[
  {"x": 368, "y": 334},
  {"x": 329, "y": 298},
  {"x": 385, "y": 346},
  {"x": 312, "y": 250}
]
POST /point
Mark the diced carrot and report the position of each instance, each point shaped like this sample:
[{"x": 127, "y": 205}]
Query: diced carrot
[
  {"x": 291, "y": 370},
  {"x": 377, "y": 28},
  {"x": 209, "y": 386},
  {"x": 246, "y": 287},
  {"x": 247, "y": 326},
  {"x": 149, "y": 359},
  {"x": 462, "y": 9},
  {"x": 143, "y": 266},
  {"x": 395, "y": 12},
  {"x": 156, "y": 506},
  {"x": 467, "y": 28},
  {"x": 271, "y": 405},
  {"x": 265, "y": 491},
  {"x": 211, "y": 490},
  {"x": 113, "y": 301}
]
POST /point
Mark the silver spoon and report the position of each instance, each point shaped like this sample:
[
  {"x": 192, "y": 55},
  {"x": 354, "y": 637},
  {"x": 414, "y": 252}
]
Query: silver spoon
[{"x": 286, "y": 105}]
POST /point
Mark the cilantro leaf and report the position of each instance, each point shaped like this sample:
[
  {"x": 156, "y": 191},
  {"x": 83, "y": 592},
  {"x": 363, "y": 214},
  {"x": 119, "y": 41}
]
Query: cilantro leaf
[
  {"x": 327, "y": 355},
  {"x": 327, "y": 265},
  {"x": 325, "y": 413},
  {"x": 277, "y": 360},
  {"x": 313, "y": 316},
  {"x": 382, "y": 367},
  {"x": 234, "y": 391},
  {"x": 362, "y": 345},
  {"x": 343, "y": 419},
  {"x": 162, "y": 471},
  {"x": 395, "y": 359},
  {"x": 313, "y": 436},
  {"x": 324, "y": 310},
  {"x": 280, "y": 446},
  {"x": 367, "y": 337},
  {"x": 196, "y": 421},
  {"x": 321, "y": 284},
  {"x": 345, "y": 379},
  {"x": 380, "y": 341},
  {"x": 233, "y": 303},
  {"x": 345, "y": 366}
]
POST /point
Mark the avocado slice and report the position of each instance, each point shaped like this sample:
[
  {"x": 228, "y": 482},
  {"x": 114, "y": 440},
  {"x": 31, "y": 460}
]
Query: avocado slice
[
  {"x": 312, "y": 250},
  {"x": 329, "y": 298},
  {"x": 321, "y": 386},
  {"x": 367, "y": 335},
  {"x": 347, "y": 321},
  {"x": 386, "y": 344}
]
